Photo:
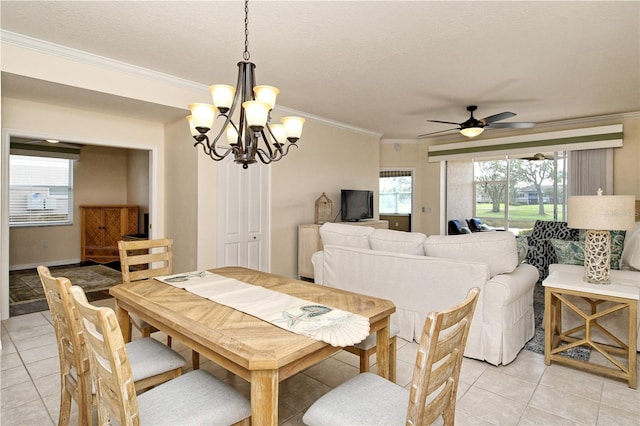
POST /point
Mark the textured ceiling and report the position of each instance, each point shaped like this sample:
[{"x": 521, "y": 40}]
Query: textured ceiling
[{"x": 385, "y": 66}]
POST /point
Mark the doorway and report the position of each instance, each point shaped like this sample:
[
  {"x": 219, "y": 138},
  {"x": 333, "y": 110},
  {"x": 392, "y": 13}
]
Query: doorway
[{"x": 7, "y": 134}]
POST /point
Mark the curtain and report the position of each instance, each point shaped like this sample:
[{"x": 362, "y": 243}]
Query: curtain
[{"x": 590, "y": 170}]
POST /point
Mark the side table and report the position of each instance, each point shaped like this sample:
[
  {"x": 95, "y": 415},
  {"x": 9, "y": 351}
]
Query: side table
[{"x": 561, "y": 284}]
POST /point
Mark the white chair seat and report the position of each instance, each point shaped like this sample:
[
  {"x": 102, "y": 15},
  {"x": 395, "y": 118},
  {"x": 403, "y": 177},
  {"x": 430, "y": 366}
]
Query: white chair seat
[
  {"x": 370, "y": 341},
  {"x": 367, "y": 399},
  {"x": 148, "y": 358},
  {"x": 193, "y": 398}
]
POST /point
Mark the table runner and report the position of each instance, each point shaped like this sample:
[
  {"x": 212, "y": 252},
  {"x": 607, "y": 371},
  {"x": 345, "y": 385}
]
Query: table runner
[{"x": 319, "y": 322}]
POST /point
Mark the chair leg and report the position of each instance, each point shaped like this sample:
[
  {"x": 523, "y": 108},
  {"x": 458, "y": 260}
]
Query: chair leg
[
  {"x": 393, "y": 346},
  {"x": 146, "y": 332},
  {"x": 169, "y": 341},
  {"x": 195, "y": 360},
  {"x": 65, "y": 405},
  {"x": 364, "y": 360}
]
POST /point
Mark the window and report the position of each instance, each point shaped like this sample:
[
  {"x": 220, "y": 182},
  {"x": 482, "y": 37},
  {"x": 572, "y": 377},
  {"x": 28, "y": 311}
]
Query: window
[
  {"x": 40, "y": 191},
  {"x": 395, "y": 192},
  {"x": 515, "y": 192}
]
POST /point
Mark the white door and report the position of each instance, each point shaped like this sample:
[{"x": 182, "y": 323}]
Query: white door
[{"x": 243, "y": 215}]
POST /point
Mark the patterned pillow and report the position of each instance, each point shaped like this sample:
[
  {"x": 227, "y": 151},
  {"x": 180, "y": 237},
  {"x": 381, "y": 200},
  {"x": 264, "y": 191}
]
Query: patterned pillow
[
  {"x": 541, "y": 253},
  {"x": 522, "y": 244},
  {"x": 569, "y": 252},
  {"x": 617, "y": 245}
]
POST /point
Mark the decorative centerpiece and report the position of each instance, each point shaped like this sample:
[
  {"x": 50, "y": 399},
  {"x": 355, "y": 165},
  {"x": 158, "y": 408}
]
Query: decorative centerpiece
[{"x": 324, "y": 209}]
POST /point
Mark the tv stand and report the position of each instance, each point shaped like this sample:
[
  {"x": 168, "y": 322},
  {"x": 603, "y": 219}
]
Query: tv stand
[{"x": 309, "y": 242}]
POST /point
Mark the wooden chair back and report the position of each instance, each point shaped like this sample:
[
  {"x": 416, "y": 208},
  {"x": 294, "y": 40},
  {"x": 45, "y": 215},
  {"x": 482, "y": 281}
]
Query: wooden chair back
[
  {"x": 110, "y": 367},
  {"x": 438, "y": 363},
  {"x": 142, "y": 259},
  {"x": 75, "y": 377}
]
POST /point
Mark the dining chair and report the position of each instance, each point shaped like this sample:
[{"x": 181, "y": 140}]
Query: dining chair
[
  {"x": 152, "y": 362},
  {"x": 368, "y": 347},
  {"x": 143, "y": 259},
  {"x": 369, "y": 399},
  {"x": 195, "y": 397}
]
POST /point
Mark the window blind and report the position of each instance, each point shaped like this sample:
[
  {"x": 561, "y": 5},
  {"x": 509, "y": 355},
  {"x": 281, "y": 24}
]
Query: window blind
[{"x": 40, "y": 191}]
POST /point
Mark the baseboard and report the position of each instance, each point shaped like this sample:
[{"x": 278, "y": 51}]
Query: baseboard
[{"x": 51, "y": 263}]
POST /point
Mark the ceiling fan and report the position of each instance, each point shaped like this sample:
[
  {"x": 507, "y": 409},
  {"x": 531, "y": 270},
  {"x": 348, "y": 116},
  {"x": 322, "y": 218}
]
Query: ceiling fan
[
  {"x": 473, "y": 127},
  {"x": 538, "y": 157}
]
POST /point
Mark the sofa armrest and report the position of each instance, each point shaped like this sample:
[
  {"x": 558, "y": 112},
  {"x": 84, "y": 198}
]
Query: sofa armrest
[
  {"x": 317, "y": 260},
  {"x": 502, "y": 289}
]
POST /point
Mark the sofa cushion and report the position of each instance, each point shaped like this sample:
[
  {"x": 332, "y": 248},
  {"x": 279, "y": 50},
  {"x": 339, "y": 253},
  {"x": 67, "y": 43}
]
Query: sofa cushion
[
  {"x": 568, "y": 252},
  {"x": 541, "y": 253},
  {"x": 337, "y": 234},
  {"x": 631, "y": 252},
  {"x": 397, "y": 241},
  {"x": 497, "y": 249}
]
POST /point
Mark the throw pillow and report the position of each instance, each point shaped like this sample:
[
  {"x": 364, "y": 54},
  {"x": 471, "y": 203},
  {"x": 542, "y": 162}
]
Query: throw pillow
[
  {"x": 631, "y": 253},
  {"x": 617, "y": 245},
  {"x": 522, "y": 244},
  {"x": 569, "y": 252}
]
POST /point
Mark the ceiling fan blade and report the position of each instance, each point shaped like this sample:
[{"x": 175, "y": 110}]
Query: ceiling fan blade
[
  {"x": 512, "y": 125},
  {"x": 445, "y": 122},
  {"x": 498, "y": 117},
  {"x": 433, "y": 133}
]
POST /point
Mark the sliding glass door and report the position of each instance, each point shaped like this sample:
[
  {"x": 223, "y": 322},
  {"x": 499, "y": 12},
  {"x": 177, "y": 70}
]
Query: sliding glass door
[{"x": 513, "y": 193}]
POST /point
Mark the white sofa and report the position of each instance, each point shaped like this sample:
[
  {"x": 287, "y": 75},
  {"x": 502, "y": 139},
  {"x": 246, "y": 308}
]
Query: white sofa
[{"x": 421, "y": 275}]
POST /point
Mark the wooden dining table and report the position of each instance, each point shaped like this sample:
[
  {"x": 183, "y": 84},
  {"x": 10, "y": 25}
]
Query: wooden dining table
[{"x": 256, "y": 350}]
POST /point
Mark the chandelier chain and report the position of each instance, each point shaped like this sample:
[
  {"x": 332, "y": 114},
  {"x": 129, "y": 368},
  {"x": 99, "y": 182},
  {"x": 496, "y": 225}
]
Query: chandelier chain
[{"x": 246, "y": 55}]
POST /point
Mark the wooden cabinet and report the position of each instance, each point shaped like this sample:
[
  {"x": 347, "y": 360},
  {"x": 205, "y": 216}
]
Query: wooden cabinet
[
  {"x": 103, "y": 227},
  {"x": 309, "y": 242}
]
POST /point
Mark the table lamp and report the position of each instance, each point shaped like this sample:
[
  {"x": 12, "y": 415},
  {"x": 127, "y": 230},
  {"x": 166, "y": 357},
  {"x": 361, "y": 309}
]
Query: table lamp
[{"x": 599, "y": 214}]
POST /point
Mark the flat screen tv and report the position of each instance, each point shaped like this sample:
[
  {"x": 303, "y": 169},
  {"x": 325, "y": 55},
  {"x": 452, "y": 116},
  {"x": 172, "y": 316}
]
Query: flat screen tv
[{"x": 356, "y": 205}]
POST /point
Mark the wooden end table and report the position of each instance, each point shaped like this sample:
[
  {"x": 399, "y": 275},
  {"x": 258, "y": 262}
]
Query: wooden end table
[{"x": 623, "y": 295}]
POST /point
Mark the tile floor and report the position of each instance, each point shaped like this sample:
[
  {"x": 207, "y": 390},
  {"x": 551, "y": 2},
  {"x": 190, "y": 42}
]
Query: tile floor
[{"x": 525, "y": 392}]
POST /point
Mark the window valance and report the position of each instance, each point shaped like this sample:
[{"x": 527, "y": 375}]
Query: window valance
[{"x": 565, "y": 140}]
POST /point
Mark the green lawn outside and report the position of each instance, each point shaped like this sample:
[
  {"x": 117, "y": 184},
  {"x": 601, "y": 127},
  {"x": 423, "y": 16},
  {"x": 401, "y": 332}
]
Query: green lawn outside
[{"x": 521, "y": 217}]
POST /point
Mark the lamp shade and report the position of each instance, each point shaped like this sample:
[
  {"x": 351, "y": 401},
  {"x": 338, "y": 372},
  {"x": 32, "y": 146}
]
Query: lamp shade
[
  {"x": 202, "y": 115},
  {"x": 257, "y": 113},
  {"x": 602, "y": 212},
  {"x": 293, "y": 127},
  {"x": 222, "y": 95},
  {"x": 471, "y": 132},
  {"x": 266, "y": 94}
]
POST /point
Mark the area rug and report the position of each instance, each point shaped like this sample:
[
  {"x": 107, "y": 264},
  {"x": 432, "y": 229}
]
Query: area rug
[
  {"x": 537, "y": 343},
  {"x": 25, "y": 286}
]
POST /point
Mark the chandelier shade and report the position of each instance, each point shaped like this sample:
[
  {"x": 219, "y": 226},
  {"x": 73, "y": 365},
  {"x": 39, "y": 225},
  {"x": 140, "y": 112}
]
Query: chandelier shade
[{"x": 246, "y": 113}]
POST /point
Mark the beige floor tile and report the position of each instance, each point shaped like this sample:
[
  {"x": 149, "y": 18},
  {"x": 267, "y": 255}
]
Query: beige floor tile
[
  {"x": 293, "y": 421},
  {"x": 40, "y": 353},
  {"x": 614, "y": 416},
  {"x": 7, "y": 345},
  {"x": 619, "y": 395},
  {"x": 332, "y": 372},
  {"x": 20, "y": 322},
  {"x": 408, "y": 352},
  {"x": 527, "y": 366},
  {"x": 17, "y": 395},
  {"x": 14, "y": 376},
  {"x": 31, "y": 413},
  {"x": 48, "y": 385},
  {"x": 35, "y": 342},
  {"x": 10, "y": 361},
  {"x": 471, "y": 370},
  {"x": 490, "y": 407},
  {"x": 564, "y": 404},
  {"x": 574, "y": 381},
  {"x": 26, "y": 333},
  {"x": 43, "y": 368},
  {"x": 506, "y": 385},
  {"x": 534, "y": 417},
  {"x": 297, "y": 393}
]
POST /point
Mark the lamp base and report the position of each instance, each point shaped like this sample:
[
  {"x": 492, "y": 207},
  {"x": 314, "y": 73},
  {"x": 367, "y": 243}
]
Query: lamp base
[{"x": 597, "y": 257}]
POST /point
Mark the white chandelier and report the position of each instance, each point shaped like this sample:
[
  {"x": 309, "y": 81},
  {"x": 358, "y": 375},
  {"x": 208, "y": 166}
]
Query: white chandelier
[{"x": 254, "y": 119}]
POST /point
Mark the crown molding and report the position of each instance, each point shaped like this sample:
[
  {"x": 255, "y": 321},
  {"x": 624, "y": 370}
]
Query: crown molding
[{"x": 60, "y": 51}]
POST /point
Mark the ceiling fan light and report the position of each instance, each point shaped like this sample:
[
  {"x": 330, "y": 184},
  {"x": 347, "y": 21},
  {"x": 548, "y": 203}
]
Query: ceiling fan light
[
  {"x": 266, "y": 94},
  {"x": 472, "y": 132}
]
